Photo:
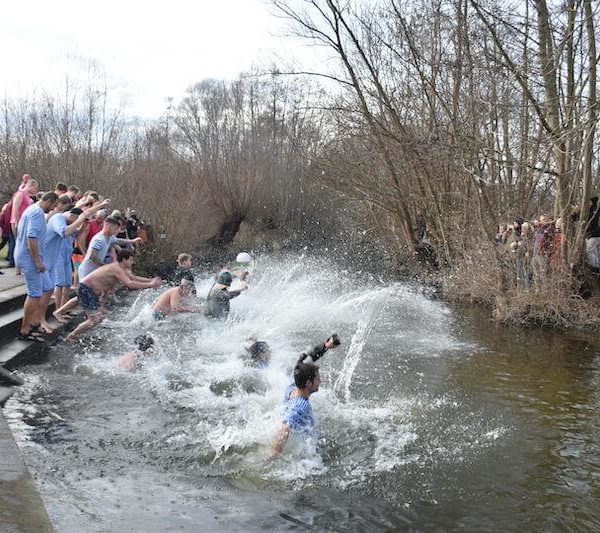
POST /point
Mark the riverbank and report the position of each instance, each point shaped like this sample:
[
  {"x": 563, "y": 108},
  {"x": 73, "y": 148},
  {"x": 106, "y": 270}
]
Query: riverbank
[{"x": 558, "y": 301}]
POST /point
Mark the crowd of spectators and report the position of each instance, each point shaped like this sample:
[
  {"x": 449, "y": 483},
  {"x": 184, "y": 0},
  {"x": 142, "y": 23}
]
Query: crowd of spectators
[
  {"x": 51, "y": 234},
  {"x": 533, "y": 249}
]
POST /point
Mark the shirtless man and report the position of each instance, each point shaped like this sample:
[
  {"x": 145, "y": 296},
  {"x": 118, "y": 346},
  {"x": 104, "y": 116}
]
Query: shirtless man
[
  {"x": 172, "y": 301},
  {"x": 134, "y": 360},
  {"x": 105, "y": 279},
  {"x": 101, "y": 247}
]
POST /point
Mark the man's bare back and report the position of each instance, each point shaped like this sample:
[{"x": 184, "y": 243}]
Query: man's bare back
[
  {"x": 172, "y": 300},
  {"x": 167, "y": 301},
  {"x": 104, "y": 279},
  {"x": 107, "y": 277}
]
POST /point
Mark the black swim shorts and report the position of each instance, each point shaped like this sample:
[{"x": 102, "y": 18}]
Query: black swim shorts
[{"x": 88, "y": 298}]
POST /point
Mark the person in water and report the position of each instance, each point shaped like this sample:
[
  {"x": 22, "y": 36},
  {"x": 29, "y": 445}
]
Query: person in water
[
  {"x": 298, "y": 416},
  {"x": 259, "y": 353},
  {"x": 183, "y": 269},
  {"x": 217, "y": 301},
  {"x": 173, "y": 301},
  {"x": 105, "y": 279},
  {"x": 133, "y": 360},
  {"x": 241, "y": 266}
]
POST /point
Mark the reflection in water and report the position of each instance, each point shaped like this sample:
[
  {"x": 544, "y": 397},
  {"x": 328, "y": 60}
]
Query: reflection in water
[{"x": 428, "y": 417}]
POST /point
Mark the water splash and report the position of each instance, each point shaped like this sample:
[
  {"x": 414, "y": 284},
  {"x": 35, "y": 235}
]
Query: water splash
[
  {"x": 223, "y": 414},
  {"x": 364, "y": 327}
]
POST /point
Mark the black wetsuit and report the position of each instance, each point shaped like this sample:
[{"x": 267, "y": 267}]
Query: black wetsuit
[
  {"x": 181, "y": 273},
  {"x": 317, "y": 352},
  {"x": 217, "y": 302}
]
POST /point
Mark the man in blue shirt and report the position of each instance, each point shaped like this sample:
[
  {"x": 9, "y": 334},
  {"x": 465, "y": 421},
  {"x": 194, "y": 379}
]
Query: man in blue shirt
[
  {"x": 298, "y": 415},
  {"x": 61, "y": 226},
  {"x": 29, "y": 257}
]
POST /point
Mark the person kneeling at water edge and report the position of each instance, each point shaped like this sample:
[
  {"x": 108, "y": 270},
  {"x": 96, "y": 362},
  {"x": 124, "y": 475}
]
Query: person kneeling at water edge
[
  {"x": 134, "y": 360},
  {"x": 217, "y": 301},
  {"x": 298, "y": 416},
  {"x": 172, "y": 301},
  {"x": 105, "y": 279}
]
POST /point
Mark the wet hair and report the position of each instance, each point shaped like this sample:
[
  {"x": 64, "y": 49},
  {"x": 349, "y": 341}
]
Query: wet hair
[
  {"x": 304, "y": 372},
  {"x": 61, "y": 187},
  {"x": 186, "y": 282},
  {"x": 49, "y": 197},
  {"x": 73, "y": 188},
  {"x": 183, "y": 257},
  {"x": 257, "y": 349},
  {"x": 144, "y": 342},
  {"x": 111, "y": 220},
  {"x": 124, "y": 255}
]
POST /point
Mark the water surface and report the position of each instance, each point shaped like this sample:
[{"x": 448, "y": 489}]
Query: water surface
[{"x": 429, "y": 417}]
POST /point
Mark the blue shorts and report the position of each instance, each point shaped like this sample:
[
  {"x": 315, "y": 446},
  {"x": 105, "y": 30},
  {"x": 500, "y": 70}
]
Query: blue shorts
[
  {"x": 36, "y": 282},
  {"x": 88, "y": 298},
  {"x": 63, "y": 273}
]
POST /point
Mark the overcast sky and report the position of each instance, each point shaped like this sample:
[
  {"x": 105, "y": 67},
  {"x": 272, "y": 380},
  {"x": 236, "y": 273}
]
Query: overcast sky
[{"x": 148, "y": 50}]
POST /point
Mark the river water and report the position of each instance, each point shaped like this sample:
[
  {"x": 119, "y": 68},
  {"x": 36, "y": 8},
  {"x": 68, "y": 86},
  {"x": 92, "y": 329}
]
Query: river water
[{"x": 429, "y": 417}]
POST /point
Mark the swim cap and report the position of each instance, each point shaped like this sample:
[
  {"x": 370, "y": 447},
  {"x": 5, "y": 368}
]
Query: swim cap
[
  {"x": 243, "y": 257},
  {"x": 224, "y": 278}
]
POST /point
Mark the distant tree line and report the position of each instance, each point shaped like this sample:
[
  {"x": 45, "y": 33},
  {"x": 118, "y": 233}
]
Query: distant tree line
[{"x": 471, "y": 112}]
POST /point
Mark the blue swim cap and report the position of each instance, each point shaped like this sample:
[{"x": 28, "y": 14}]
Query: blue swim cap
[{"x": 224, "y": 278}]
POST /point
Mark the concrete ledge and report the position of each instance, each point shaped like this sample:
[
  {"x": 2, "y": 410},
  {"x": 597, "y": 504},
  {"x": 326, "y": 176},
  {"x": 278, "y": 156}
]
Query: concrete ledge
[
  {"x": 21, "y": 508},
  {"x": 6, "y": 391},
  {"x": 17, "y": 353}
]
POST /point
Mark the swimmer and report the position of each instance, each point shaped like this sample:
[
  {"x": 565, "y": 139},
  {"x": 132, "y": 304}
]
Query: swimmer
[
  {"x": 172, "y": 301},
  {"x": 217, "y": 301},
  {"x": 298, "y": 416},
  {"x": 260, "y": 354},
  {"x": 183, "y": 269},
  {"x": 133, "y": 360},
  {"x": 240, "y": 268},
  {"x": 105, "y": 279}
]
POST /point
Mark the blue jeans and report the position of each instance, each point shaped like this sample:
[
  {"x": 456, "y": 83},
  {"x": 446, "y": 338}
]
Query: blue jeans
[{"x": 11, "y": 249}]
